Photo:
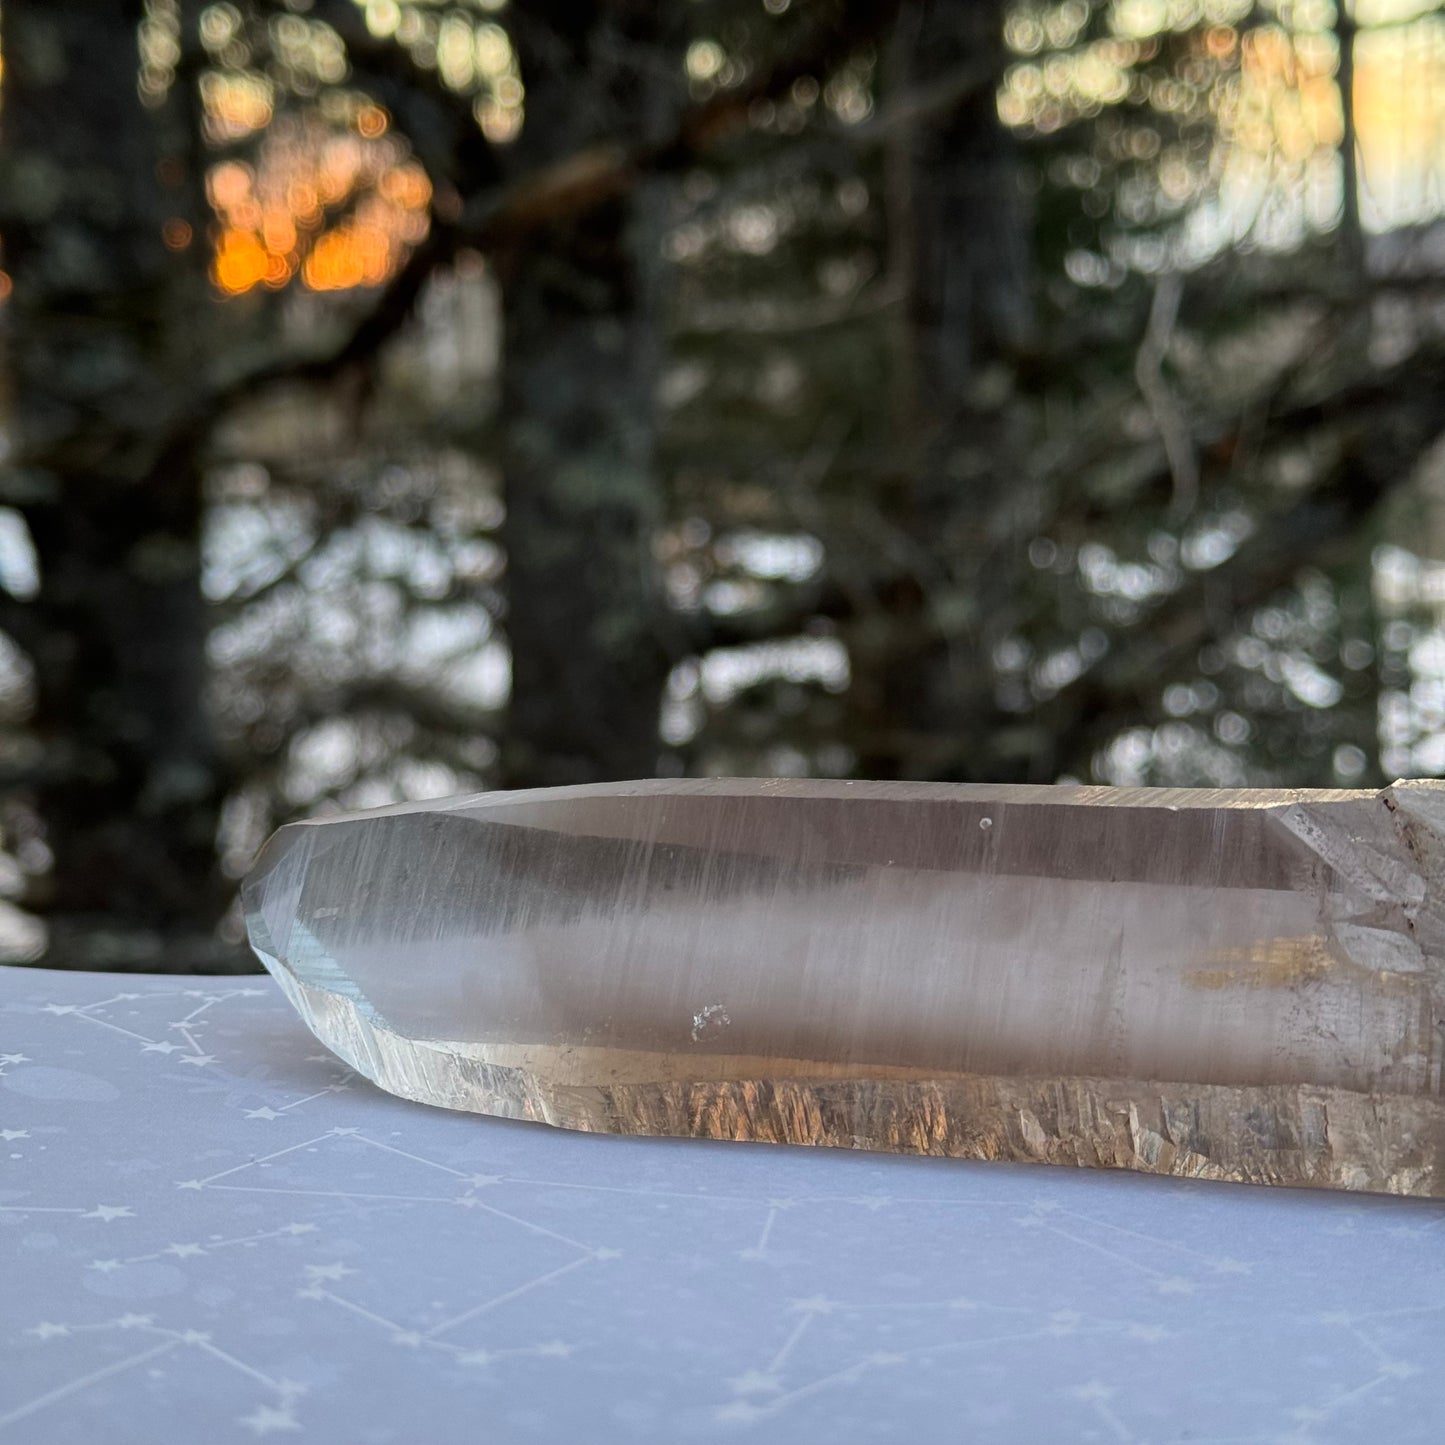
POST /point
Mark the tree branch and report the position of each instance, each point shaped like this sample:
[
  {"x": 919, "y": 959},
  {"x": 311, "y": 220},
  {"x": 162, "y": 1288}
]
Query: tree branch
[
  {"x": 1386, "y": 422},
  {"x": 834, "y": 40},
  {"x": 564, "y": 190},
  {"x": 437, "y": 120},
  {"x": 928, "y": 103},
  {"x": 387, "y": 315}
]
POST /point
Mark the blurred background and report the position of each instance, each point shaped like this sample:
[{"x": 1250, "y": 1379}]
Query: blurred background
[{"x": 403, "y": 397}]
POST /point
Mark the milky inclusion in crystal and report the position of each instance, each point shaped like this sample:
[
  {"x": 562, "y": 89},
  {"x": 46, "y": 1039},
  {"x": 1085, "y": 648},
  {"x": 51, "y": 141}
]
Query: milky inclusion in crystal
[{"x": 1225, "y": 984}]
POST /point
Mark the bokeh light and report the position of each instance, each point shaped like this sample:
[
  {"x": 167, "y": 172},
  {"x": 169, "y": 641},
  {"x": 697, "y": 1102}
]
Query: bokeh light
[{"x": 335, "y": 208}]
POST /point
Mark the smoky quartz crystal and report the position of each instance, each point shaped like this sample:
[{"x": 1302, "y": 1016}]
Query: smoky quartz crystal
[{"x": 1242, "y": 984}]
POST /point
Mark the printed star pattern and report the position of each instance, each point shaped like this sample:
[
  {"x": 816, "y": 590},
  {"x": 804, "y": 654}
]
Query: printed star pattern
[{"x": 211, "y": 1230}]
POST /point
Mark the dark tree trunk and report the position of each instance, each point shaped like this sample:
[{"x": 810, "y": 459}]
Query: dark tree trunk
[
  {"x": 584, "y": 599},
  {"x": 102, "y": 338},
  {"x": 583, "y": 603},
  {"x": 971, "y": 301},
  {"x": 960, "y": 232}
]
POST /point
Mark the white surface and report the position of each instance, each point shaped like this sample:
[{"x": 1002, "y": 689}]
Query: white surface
[{"x": 210, "y": 1231}]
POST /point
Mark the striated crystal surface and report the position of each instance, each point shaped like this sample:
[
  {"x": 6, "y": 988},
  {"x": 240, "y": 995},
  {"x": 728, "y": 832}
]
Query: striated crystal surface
[{"x": 1226, "y": 984}]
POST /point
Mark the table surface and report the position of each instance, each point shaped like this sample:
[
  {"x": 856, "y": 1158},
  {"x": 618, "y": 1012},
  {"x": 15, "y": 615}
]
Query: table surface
[{"x": 211, "y": 1230}]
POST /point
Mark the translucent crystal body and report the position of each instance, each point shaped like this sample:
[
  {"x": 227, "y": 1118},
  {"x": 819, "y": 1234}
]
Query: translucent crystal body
[{"x": 1229, "y": 984}]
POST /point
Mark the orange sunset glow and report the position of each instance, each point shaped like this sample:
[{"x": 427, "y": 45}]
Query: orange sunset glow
[
  {"x": 335, "y": 208},
  {"x": 330, "y": 198}
]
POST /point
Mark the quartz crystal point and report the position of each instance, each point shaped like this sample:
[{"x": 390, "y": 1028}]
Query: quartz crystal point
[{"x": 1238, "y": 985}]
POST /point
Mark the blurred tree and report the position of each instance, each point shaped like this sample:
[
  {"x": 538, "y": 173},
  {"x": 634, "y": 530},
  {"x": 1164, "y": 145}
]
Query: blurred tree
[
  {"x": 586, "y": 618},
  {"x": 96, "y": 200},
  {"x": 568, "y": 211},
  {"x": 961, "y": 239},
  {"x": 1151, "y": 507},
  {"x": 1005, "y": 390},
  {"x": 131, "y": 786}
]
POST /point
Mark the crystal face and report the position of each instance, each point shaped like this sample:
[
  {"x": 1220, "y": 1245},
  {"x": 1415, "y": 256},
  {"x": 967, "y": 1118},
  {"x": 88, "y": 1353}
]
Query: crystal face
[{"x": 1226, "y": 984}]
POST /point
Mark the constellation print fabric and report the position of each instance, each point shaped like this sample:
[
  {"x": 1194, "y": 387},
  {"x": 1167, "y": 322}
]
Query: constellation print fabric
[{"x": 210, "y": 1230}]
